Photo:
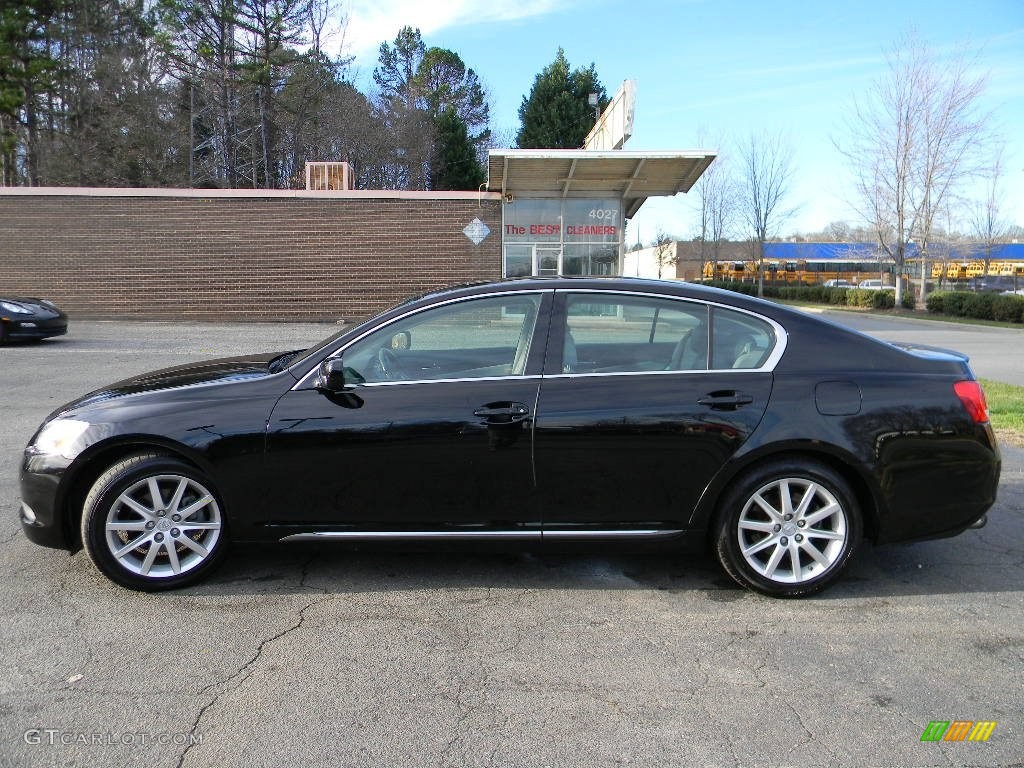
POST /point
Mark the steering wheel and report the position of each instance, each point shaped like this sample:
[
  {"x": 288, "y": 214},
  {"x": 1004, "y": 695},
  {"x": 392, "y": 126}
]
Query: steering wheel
[{"x": 391, "y": 366}]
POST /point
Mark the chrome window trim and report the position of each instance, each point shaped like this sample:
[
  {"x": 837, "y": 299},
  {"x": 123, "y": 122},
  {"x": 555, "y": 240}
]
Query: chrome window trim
[
  {"x": 768, "y": 366},
  {"x": 305, "y": 381},
  {"x": 446, "y": 381},
  {"x": 705, "y": 371},
  {"x": 781, "y": 340}
]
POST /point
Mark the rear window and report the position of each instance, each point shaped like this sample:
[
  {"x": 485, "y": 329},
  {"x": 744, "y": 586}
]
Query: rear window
[{"x": 739, "y": 340}]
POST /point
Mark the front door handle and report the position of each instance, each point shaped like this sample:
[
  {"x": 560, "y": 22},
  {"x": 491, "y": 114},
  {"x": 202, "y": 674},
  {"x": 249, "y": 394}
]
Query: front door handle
[
  {"x": 502, "y": 413},
  {"x": 725, "y": 400}
]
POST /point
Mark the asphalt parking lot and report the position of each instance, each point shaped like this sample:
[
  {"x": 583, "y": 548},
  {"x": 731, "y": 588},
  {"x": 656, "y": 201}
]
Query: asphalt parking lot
[{"x": 308, "y": 655}]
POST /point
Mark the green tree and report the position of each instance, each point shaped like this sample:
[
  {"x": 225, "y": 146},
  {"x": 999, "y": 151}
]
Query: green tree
[
  {"x": 416, "y": 87},
  {"x": 27, "y": 72},
  {"x": 443, "y": 81},
  {"x": 200, "y": 40},
  {"x": 110, "y": 124},
  {"x": 455, "y": 165},
  {"x": 268, "y": 30},
  {"x": 409, "y": 129},
  {"x": 557, "y": 114},
  {"x": 329, "y": 119},
  {"x": 395, "y": 74}
]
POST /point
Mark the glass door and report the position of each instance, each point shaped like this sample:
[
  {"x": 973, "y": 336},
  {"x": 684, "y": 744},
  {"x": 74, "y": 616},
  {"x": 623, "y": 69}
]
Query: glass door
[{"x": 547, "y": 260}]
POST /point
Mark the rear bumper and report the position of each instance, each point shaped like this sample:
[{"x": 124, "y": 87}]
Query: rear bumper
[{"x": 941, "y": 488}]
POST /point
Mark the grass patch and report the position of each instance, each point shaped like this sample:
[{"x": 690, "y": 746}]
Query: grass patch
[
  {"x": 1006, "y": 409},
  {"x": 919, "y": 315}
]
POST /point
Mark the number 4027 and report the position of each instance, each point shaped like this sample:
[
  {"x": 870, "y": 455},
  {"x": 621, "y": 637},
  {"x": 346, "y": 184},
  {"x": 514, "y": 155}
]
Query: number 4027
[{"x": 603, "y": 213}]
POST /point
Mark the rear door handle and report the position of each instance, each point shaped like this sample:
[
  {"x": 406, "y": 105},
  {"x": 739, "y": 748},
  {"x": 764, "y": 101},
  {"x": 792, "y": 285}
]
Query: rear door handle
[
  {"x": 502, "y": 413},
  {"x": 725, "y": 400}
]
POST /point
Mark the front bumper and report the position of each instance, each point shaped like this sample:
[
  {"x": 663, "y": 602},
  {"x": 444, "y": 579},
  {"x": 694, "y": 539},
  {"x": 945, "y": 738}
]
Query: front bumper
[
  {"x": 41, "y": 517},
  {"x": 32, "y": 328}
]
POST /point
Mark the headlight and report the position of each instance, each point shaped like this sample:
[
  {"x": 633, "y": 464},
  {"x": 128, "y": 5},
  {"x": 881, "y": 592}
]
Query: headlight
[
  {"x": 15, "y": 309},
  {"x": 58, "y": 438}
]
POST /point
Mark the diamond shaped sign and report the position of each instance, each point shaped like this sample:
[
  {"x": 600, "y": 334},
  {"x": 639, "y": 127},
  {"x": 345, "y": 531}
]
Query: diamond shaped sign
[{"x": 476, "y": 231}]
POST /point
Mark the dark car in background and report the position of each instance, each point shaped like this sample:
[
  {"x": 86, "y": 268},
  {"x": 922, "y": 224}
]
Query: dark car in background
[
  {"x": 529, "y": 411},
  {"x": 25, "y": 319},
  {"x": 995, "y": 284}
]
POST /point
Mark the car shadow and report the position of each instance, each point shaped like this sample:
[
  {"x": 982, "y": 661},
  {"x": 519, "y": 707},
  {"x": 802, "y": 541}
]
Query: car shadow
[
  {"x": 947, "y": 566},
  {"x": 986, "y": 560}
]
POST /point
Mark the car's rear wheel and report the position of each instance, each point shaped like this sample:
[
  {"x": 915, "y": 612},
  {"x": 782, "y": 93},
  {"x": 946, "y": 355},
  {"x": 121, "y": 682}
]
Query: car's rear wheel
[
  {"x": 787, "y": 528},
  {"x": 152, "y": 522}
]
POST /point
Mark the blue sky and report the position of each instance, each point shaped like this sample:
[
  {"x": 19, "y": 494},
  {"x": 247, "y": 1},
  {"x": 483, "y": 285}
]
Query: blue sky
[{"x": 709, "y": 72}]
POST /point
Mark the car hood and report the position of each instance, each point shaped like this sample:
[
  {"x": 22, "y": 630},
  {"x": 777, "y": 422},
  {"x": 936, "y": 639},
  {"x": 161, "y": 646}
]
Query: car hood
[
  {"x": 35, "y": 305},
  {"x": 221, "y": 371}
]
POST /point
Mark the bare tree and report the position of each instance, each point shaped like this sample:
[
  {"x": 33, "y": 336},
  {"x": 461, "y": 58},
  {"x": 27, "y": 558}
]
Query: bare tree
[
  {"x": 715, "y": 191},
  {"x": 722, "y": 195},
  {"x": 988, "y": 225},
  {"x": 913, "y": 140},
  {"x": 767, "y": 175},
  {"x": 839, "y": 231},
  {"x": 665, "y": 252}
]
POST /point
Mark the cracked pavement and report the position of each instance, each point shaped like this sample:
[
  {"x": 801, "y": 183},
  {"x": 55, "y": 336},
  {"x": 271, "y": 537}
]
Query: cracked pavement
[{"x": 462, "y": 656}]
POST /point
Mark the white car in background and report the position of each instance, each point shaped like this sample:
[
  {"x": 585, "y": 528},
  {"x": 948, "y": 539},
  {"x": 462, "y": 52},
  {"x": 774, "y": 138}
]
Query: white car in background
[{"x": 875, "y": 285}]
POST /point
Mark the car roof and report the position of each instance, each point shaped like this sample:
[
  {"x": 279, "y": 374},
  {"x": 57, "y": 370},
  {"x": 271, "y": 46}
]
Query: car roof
[
  {"x": 630, "y": 284},
  {"x": 813, "y": 340}
]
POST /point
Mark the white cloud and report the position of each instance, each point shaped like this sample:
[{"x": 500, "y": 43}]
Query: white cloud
[{"x": 372, "y": 22}]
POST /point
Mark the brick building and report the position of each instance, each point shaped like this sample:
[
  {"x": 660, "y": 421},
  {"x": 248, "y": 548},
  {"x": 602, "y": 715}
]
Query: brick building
[
  {"x": 240, "y": 254},
  {"x": 325, "y": 254}
]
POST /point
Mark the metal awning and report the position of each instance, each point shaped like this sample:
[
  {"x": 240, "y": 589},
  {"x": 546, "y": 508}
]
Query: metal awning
[{"x": 574, "y": 173}]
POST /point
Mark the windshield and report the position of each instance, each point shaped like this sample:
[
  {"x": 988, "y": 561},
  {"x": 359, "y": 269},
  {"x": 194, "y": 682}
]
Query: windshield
[
  {"x": 302, "y": 355},
  {"x": 349, "y": 326}
]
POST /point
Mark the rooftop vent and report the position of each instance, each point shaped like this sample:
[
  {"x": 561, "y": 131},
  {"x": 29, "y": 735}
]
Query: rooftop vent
[{"x": 323, "y": 176}]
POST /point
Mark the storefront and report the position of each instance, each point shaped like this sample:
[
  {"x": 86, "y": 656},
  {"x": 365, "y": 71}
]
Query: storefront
[
  {"x": 564, "y": 211},
  {"x": 561, "y": 237}
]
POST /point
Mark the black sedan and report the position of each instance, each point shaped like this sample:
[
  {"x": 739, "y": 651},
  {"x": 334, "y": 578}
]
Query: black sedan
[
  {"x": 23, "y": 319},
  {"x": 529, "y": 410}
]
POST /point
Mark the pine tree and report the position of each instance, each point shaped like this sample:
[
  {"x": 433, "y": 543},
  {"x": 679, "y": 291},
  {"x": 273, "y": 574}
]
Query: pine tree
[
  {"x": 455, "y": 165},
  {"x": 27, "y": 72},
  {"x": 556, "y": 114}
]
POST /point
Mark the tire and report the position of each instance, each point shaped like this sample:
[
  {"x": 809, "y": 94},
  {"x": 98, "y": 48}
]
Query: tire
[
  {"x": 783, "y": 510},
  {"x": 181, "y": 537}
]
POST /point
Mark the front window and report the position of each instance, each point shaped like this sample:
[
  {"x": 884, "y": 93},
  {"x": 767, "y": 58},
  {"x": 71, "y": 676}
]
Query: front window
[{"x": 470, "y": 339}]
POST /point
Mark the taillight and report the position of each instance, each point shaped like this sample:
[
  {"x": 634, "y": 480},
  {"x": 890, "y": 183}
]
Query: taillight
[{"x": 973, "y": 398}]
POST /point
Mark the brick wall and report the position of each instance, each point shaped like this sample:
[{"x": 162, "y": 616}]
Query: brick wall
[{"x": 239, "y": 256}]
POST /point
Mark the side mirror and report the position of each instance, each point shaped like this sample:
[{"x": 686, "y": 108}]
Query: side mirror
[{"x": 330, "y": 376}]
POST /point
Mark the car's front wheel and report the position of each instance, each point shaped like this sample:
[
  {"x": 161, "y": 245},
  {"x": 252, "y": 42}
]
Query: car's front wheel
[
  {"x": 152, "y": 522},
  {"x": 787, "y": 528}
]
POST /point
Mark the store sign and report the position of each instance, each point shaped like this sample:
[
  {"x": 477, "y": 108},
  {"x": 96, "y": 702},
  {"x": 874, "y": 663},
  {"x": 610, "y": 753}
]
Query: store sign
[{"x": 563, "y": 221}]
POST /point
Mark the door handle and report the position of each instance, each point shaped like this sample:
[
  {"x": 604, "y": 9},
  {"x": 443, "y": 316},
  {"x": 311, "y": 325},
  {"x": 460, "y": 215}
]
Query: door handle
[
  {"x": 502, "y": 413},
  {"x": 725, "y": 400}
]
